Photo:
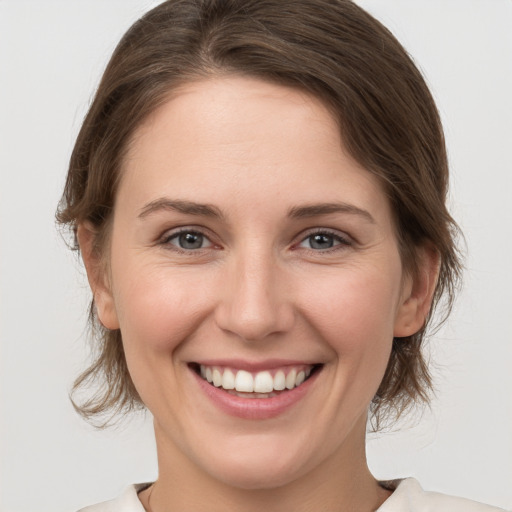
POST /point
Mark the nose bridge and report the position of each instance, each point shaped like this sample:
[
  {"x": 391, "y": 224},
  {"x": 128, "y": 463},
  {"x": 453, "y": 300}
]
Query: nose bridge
[{"x": 254, "y": 303}]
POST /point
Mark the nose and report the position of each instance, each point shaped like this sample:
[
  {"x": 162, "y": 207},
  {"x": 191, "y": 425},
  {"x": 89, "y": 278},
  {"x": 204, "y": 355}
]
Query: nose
[{"x": 254, "y": 298}]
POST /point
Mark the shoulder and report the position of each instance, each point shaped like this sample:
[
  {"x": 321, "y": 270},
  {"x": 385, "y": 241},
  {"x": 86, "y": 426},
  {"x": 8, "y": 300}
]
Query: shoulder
[
  {"x": 407, "y": 497},
  {"x": 410, "y": 497},
  {"x": 128, "y": 501}
]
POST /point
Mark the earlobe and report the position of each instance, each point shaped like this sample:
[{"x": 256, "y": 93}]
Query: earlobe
[
  {"x": 97, "y": 275},
  {"x": 417, "y": 295}
]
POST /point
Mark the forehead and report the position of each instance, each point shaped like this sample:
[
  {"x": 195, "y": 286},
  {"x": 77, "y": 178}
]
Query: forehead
[
  {"x": 245, "y": 138},
  {"x": 238, "y": 111}
]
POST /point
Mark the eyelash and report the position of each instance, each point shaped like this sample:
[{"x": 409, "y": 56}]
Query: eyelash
[
  {"x": 166, "y": 239},
  {"x": 339, "y": 241}
]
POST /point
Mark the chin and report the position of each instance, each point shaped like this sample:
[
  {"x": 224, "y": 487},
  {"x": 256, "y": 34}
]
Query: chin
[
  {"x": 258, "y": 474},
  {"x": 253, "y": 461}
]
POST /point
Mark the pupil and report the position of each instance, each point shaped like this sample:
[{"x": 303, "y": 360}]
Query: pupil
[
  {"x": 191, "y": 240},
  {"x": 321, "y": 241}
]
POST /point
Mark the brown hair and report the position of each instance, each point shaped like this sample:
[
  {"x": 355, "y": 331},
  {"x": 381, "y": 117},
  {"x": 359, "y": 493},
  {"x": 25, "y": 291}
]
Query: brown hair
[{"x": 330, "y": 48}]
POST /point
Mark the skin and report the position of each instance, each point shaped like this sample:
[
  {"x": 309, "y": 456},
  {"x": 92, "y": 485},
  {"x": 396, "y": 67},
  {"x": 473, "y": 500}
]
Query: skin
[{"x": 255, "y": 290}]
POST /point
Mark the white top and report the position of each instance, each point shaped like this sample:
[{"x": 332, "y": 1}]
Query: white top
[{"x": 408, "y": 497}]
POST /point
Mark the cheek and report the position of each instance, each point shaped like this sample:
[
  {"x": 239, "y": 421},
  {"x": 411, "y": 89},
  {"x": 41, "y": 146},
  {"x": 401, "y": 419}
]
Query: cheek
[
  {"x": 355, "y": 313},
  {"x": 157, "y": 310}
]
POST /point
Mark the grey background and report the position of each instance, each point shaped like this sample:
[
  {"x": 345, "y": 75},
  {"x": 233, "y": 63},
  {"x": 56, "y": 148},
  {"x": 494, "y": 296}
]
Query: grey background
[{"x": 51, "y": 56}]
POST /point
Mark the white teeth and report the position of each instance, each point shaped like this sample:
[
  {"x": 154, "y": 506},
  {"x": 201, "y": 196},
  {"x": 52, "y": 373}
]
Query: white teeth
[
  {"x": 290, "y": 379},
  {"x": 217, "y": 378},
  {"x": 244, "y": 381},
  {"x": 279, "y": 381},
  {"x": 260, "y": 385},
  {"x": 228, "y": 380},
  {"x": 263, "y": 382}
]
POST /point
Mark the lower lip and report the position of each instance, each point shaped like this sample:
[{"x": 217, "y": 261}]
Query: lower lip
[{"x": 255, "y": 408}]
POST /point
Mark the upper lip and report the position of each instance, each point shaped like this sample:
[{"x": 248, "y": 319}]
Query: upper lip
[{"x": 255, "y": 366}]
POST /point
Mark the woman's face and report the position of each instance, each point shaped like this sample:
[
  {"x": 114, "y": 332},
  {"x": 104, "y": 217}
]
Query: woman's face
[{"x": 250, "y": 249}]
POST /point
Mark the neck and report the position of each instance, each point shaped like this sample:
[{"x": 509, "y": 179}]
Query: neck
[{"x": 341, "y": 482}]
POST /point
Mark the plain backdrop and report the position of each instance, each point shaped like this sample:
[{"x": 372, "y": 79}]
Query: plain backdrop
[{"x": 52, "y": 54}]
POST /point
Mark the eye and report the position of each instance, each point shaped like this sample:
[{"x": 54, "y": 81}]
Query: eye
[
  {"x": 323, "y": 240},
  {"x": 188, "y": 240}
]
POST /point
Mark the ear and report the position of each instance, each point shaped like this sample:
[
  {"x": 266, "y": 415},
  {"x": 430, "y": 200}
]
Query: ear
[
  {"x": 97, "y": 275},
  {"x": 417, "y": 294}
]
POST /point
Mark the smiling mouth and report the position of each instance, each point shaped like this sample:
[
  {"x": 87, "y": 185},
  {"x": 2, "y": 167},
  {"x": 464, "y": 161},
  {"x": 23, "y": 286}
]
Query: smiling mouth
[{"x": 262, "y": 384}]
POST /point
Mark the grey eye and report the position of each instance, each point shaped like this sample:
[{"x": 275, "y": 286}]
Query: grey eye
[
  {"x": 321, "y": 241},
  {"x": 189, "y": 240}
]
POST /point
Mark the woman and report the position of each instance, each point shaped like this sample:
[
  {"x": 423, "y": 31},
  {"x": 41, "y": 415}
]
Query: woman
[{"x": 258, "y": 195}]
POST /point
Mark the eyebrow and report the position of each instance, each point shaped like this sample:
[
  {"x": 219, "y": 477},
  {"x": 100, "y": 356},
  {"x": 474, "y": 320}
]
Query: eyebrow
[
  {"x": 314, "y": 210},
  {"x": 186, "y": 207},
  {"x": 208, "y": 210}
]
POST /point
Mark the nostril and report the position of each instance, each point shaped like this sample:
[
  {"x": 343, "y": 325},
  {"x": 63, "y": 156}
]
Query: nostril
[{"x": 254, "y": 310}]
